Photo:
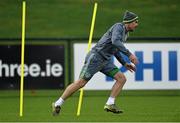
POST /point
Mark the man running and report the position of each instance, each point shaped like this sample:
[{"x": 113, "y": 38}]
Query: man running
[{"x": 99, "y": 60}]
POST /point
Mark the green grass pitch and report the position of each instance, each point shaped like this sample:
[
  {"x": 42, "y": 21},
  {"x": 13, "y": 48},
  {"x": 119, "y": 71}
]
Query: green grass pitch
[
  {"x": 139, "y": 106},
  {"x": 72, "y": 18}
]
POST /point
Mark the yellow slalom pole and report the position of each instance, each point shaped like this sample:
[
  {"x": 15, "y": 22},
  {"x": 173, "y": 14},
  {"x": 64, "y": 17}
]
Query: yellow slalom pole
[
  {"x": 88, "y": 49},
  {"x": 22, "y": 58}
]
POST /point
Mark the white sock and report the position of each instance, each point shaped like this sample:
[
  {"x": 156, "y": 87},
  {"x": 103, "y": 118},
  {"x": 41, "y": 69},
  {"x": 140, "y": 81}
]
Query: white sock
[
  {"x": 110, "y": 101},
  {"x": 59, "y": 102}
]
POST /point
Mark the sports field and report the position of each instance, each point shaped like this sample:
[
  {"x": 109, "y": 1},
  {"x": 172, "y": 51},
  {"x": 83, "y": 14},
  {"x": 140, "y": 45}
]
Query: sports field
[
  {"x": 151, "y": 106},
  {"x": 69, "y": 18}
]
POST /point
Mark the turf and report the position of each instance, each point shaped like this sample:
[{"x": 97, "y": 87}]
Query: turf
[
  {"x": 139, "y": 106},
  {"x": 70, "y": 18}
]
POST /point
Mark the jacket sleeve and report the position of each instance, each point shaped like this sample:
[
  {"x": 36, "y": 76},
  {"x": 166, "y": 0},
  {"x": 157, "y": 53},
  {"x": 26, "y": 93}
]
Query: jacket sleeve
[
  {"x": 120, "y": 58},
  {"x": 117, "y": 41}
]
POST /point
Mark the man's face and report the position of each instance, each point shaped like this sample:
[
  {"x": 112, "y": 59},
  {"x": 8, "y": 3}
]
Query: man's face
[{"x": 133, "y": 25}]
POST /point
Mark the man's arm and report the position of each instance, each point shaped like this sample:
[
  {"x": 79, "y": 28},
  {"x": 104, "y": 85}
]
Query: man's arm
[
  {"x": 118, "y": 43},
  {"x": 119, "y": 58},
  {"x": 128, "y": 66}
]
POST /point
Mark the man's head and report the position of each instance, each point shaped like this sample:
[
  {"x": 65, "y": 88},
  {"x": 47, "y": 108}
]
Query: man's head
[{"x": 130, "y": 20}]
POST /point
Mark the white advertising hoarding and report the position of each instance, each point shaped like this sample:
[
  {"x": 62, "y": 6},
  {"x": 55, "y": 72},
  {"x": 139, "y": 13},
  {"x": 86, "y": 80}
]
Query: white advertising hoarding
[{"x": 158, "y": 67}]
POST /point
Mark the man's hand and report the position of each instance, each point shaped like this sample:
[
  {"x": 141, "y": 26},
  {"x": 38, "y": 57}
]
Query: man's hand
[
  {"x": 130, "y": 67},
  {"x": 133, "y": 59}
]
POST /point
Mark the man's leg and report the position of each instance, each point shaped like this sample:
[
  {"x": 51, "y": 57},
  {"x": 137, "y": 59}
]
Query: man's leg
[
  {"x": 73, "y": 88},
  {"x": 92, "y": 65},
  {"x": 67, "y": 93},
  {"x": 117, "y": 87}
]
